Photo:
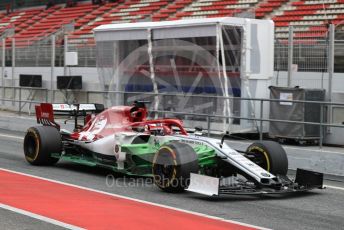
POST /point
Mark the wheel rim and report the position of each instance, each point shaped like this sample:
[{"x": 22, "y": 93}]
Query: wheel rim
[
  {"x": 260, "y": 158},
  {"x": 30, "y": 147},
  {"x": 164, "y": 168}
]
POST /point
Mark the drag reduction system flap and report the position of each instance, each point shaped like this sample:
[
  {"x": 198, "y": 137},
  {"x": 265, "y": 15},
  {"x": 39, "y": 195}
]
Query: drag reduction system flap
[{"x": 78, "y": 107}]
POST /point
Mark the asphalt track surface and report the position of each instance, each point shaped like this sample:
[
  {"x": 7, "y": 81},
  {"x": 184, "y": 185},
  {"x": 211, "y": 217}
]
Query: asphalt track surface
[{"x": 318, "y": 209}]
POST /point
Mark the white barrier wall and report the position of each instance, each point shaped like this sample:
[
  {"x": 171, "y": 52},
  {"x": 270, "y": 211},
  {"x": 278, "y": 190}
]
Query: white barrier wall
[
  {"x": 89, "y": 75},
  {"x": 310, "y": 80}
]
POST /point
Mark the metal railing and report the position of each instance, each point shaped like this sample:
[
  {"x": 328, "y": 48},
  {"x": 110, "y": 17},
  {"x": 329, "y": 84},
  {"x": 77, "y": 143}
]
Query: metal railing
[
  {"x": 324, "y": 107},
  {"x": 16, "y": 96},
  {"x": 18, "y": 103}
]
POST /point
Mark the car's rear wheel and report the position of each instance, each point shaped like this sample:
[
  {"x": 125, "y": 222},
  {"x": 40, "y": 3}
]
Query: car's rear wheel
[
  {"x": 270, "y": 156},
  {"x": 172, "y": 165},
  {"x": 40, "y": 143}
]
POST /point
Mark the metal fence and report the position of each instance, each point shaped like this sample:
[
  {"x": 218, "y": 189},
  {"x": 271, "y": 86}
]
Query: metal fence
[
  {"x": 33, "y": 53},
  {"x": 39, "y": 52},
  {"x": 311, "y": 58},
  {"x": 309, "y": 49},
  {"x": 295, "y": 50},
  {"x": 339, "y": 56},
  {"x": 19, "y": 97},
  {"x": 86, "y": 49}
]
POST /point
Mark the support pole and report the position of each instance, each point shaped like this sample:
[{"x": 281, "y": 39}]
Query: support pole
[
  {"x": 19, "y": 102},
  {"x": 13, "y": 69},
  {"x": 290, "y": 54},
  {"x": 330, "y": 60},
  {"x": 3, "y": 66},
  {"x": 261, "y": 120},
  {"x": 152, "y": 72},
  {"x": 227, "y": 108},
  {"x": 321, "y": 134},
  {"x": 208, "y": 125},
  {"x": 218, "y": 34},
  {"x": 330, "y": 68},
  {"x": 53, "y": 51},
  {"x": 65, "y": 48}
]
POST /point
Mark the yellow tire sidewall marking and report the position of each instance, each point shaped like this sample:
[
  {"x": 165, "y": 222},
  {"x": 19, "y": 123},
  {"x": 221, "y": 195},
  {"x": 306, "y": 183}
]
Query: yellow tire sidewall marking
[
  {"x": 260, "y": 150},
  {"x": 35, "y": 134},
  {"x": 172, "y": 152}
]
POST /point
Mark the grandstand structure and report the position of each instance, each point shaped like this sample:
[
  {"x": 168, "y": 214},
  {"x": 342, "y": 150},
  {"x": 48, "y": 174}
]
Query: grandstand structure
[{"x": 34, "y": 22}]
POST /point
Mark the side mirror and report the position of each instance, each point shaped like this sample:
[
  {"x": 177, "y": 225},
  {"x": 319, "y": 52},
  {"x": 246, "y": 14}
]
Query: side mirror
[
  {"x": 224, "y": 137},
  {"x": 198, "y": 131}
]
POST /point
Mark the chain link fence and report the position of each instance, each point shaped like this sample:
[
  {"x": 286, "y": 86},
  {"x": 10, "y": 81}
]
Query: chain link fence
[
  {"x": 310, "y": 50},
  {"x": 86, "y": 49},
  {"x": 36, "y": 52},
  {"x": 339, "y": 49}
]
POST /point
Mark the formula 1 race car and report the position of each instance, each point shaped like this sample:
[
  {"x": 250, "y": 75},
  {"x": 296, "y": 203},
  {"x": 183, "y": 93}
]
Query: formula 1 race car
[{"x": 122, "y": 139}]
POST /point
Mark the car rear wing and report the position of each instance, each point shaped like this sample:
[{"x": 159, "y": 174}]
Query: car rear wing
[
  {"x": 45, "y": 112},
  {"x": 71, "y": 109}
]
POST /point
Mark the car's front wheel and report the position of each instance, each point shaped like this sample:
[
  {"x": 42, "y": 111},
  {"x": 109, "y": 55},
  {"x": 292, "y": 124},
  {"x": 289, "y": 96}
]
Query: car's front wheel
[
  {"x": 172, "y": 165},
  {"x": 270, "y": 156}
]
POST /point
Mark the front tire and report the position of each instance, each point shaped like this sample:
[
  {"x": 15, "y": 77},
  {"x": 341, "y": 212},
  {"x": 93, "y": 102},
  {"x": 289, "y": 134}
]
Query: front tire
[
  {"x": 39, "y": 143},
  {"x": 172, "y": 165},
  {"x": 270, "y": 156}
]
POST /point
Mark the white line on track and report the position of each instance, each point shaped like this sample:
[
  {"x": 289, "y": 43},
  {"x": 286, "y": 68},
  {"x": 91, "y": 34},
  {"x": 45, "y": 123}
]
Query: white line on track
[
  {"x": 11, "y": 136},
  {"x": 334, "y": 187},
  {"x": 137, "y": 200},
  {"x": 314, "y": 150},
  {"x": 39, "y": 217}
]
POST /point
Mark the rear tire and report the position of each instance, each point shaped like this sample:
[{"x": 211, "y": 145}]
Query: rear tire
[
  {"x": 270, "y": 156},
  {"x": 172, "y": 165},
  {"x": 40, "y": 142}
]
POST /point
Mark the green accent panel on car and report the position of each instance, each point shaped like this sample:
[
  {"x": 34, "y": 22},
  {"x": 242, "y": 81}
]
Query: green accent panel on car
[
  {"x": 206, "y": 155},
  {"x": 143, "y": 154},
  {"x": 141, "y": 157},
  {"x": 79, "y": 160},
  {"x": 139, "y": 149}
]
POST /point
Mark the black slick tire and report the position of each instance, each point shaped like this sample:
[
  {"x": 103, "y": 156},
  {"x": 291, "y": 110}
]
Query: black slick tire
[
  {"x": 270, "y": 156},
  {"x": 172, "y": 165},
  {"x": 39, "y": 143}
]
